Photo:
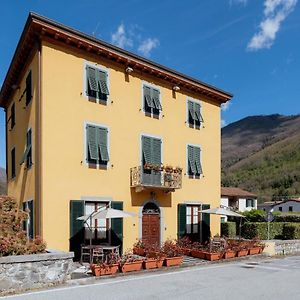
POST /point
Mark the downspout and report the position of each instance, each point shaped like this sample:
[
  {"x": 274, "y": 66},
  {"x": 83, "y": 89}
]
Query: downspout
[{"x": 38, "y": 180}]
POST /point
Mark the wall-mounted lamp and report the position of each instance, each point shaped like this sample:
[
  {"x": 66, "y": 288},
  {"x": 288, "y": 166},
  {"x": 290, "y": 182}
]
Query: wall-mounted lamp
[
  {"x": 128, "y": 70},
  {"x": 176, "y": 88},
  {"x": 15, "y": 87}
]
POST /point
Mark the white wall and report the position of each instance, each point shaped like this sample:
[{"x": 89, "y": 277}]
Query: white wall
[
  {"x": 224, "y": 201},
  {"x": 285, "y": 206},
  {"x": 243, "y": 206}
]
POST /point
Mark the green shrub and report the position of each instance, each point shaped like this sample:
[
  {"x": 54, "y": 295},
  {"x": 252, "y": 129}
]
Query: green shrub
[
  {"x": 13, "y": 239},
  {"x": 259, "y": 230},
  {"x": 228, "y": 229},
  {"x": 287, "y": 218},
  {"x": 291, "y": 231},
  {"x": 255, "y": 215}
]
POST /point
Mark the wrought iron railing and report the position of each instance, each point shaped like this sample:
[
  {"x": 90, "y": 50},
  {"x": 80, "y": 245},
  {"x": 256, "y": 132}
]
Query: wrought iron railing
[{"x": 152, "y": 178}]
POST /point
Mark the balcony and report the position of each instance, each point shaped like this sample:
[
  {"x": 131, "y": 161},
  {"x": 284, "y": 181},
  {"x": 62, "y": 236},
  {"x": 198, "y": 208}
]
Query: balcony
[{"x": 166, "y": 179}]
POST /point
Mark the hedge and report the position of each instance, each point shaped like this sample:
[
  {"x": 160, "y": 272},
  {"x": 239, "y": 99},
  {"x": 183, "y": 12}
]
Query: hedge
[
  {"x": 228, "y": 229},
  {"x": 278, "y": 230},
  {"x": 291, "y": 231},
  {"x": 287, "y": 218}
]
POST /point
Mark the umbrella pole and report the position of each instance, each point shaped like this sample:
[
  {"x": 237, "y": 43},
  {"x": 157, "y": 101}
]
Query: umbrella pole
[{"x": 240, "y": 231}]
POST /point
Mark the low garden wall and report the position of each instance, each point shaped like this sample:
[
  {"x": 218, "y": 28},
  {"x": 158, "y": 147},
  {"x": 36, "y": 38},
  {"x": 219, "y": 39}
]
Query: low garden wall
[
  {"x": 23, "y": 272},
  {"x": 281, "y": 247}
]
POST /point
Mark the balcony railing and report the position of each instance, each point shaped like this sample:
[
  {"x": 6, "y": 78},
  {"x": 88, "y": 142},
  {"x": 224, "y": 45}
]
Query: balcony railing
[{"x": 167, "y": 180}]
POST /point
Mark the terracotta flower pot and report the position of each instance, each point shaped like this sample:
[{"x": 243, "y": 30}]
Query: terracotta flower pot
[
  {"x": 173, "y": 261},
  {"x": 212, "y": 256},
  {"x": 261, "y": 249},
  {"x": 254, "y": 250},
  {"x": 104, "y": 270},
  {"x": 131, "y": 266},
  {"x": 152, "y": 263},
  {"x": 229, "y": 254},
  {"x": 198, "y": 254},
  {"x": 186, "y": 251},
  {"x": 139, "y": 251},
  {"x": 243, "y": 252}
]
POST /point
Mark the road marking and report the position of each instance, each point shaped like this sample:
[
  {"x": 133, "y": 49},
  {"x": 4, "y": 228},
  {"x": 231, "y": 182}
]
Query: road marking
[{"x": 112, "y": 281}]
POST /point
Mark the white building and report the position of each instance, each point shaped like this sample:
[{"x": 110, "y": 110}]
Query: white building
[{"x": 290, "y": 205}]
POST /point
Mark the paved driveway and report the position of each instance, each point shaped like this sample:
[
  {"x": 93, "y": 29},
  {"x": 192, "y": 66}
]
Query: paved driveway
[{"x": 249, "y": 279}]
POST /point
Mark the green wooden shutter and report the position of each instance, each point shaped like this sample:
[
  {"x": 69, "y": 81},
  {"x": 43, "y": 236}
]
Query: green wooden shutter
[
  {"x": 146, "y": 148},
  {"x": 92, "y": 142},
  {"x": 28, "y": 147},
  {"x": 155, "y": 98},
  {"x": 191, "y": 109},
  {"x": 12, "y": 116},
  {"x": 197, "y": 160},
  {"x": 76, "y": 226},
  {"x": 30, "y": 205},
  {"x": 147, "y": 96},
  {"x": 102, "y": 132},
  {"x": 155, "y": 151},
  {"x": 181, "y": 220},
  {"x": 117, "y": 226},
  {"x": 191, "y": 160},
  {"x": 197, "y": 109},
  {"x": 13, "y": 162},
  {"x": 205, "y": 223},
  {"x": 28, "y": 88},
  {"x": 92, "y": 79},
  {"x": 103, "y": 82}
]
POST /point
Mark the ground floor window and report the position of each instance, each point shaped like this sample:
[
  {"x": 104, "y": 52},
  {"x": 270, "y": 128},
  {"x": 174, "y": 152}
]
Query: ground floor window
[
  {"x": 28, "y": 224},
  {"x": 95, "y": 229},
  {"x": 192, "y": 219}
]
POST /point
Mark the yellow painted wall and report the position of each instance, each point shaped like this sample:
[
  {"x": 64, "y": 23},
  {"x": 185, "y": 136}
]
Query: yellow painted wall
[
  {"x": 65, "y": 175},
  {"x": 22, "y": 187}
]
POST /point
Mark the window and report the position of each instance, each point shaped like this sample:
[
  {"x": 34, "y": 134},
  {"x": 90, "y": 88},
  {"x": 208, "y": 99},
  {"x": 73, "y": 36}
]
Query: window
[
  {"x": 97, "y": 145},
  {"x": 12, "y": 116},
  {"x": 151, "y": 101},
  {"x": 27, "y": 156},
  {"x": 192, "y": 219},
  {"x": 28, "y": 88},
  {"x": 151, "y": 156},
  {"x": 96, "y": 229},
  {"x": 249, "y": 203},
  {"x": 96, "y": 83},
  {"x": 290, "y": 208},
  {"x": 28, "y": 224},
  {"x": 194, "y": 167},
  {"x": 13, "y": 162},
  {"x": 194, "y": 114},
  {"x": 280, "y": 208}
]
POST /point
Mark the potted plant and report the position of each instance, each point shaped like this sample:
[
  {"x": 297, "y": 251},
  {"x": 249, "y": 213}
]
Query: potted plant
[
  {"x": 173, "y": 253},
  {"x": 185, "y": 244},
  {"x": 242, "y": 248},
  {"x": 139, "y": 248},
  {"x": 168, "y": 169},
  {"x": 130, "y": 262},
  {"x": 255, "y": 247},
  {"x": 109, "y": 267},
  {"x": 154, "y": 257},
  {"x": 197, "y": 251},
  {"x": 213, "y": 252}
]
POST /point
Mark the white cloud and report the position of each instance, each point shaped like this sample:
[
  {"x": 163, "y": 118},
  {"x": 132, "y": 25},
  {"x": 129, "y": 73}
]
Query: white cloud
[
  {"x": 223, "y": 123},
  {"x": 241, "y": 2},
  {"x": 120, "y": 38},
  {"x": 275, "y": 12},
  {"x": 225, "y": 106},
  {"x": 147, "y": 46}
]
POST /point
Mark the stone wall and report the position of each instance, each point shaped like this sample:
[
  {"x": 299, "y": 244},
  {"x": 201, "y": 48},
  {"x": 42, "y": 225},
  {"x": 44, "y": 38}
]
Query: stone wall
[
  {"x": 23, "y": 272},
  {"x": 282, "y": 247}
]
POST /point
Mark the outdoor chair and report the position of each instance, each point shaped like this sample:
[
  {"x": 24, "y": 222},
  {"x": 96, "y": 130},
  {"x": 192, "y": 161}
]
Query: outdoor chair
[
  {"x": 98, "y": 255},
  {"x": 85, "y": 253}
]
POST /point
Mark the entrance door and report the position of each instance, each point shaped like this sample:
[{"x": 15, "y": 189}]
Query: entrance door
[{"x": 151, "y": 224}]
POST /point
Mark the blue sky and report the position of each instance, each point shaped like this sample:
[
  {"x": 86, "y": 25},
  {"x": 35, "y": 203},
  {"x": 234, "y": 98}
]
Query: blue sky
[{"x": 248, "y": 47}]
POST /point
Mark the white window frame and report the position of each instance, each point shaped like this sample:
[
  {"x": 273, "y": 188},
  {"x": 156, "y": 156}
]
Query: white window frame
[
  {"x": 187, "y": 161},
  {"x": 85, "y": 85},
  {"x": 85, "y": 148},
  {"x": 151, "y": 85},
  {"x": 28, "y": 221},
  {"x": 187, "y": 112}
]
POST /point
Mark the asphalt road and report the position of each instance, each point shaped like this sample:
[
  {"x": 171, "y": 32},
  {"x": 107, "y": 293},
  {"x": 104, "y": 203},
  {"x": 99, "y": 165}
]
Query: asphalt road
[{"x": 254, "y": 279}]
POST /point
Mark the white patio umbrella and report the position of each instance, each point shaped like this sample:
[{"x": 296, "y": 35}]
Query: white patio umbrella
[
  {"x": 105, "y": 213},
  {"x": 224, "y": 212}
]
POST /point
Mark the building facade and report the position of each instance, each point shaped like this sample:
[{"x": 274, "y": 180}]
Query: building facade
[
  {"x": 285, "y": 206},
  {"x": 92, "y": 125}
]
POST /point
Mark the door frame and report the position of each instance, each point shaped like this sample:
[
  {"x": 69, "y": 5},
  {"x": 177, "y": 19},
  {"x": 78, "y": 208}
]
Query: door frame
[{"x": 162, "y": 226}]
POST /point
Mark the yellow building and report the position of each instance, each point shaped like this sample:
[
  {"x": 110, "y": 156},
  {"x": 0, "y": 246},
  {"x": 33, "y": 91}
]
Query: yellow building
[{"x": 90, "y": 124}]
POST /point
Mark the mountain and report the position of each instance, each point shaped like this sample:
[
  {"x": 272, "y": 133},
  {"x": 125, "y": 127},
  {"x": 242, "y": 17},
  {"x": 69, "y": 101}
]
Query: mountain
[
  {"x": 2, "y": 181},
  {"x": 262, "y": 154}
]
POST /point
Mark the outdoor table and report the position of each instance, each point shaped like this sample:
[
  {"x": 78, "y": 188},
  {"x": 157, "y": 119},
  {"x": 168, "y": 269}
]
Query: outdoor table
[{"x": 106, "y": 248}]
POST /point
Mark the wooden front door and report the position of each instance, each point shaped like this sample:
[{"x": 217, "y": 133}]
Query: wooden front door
[{"x": 151, "y": 228}]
